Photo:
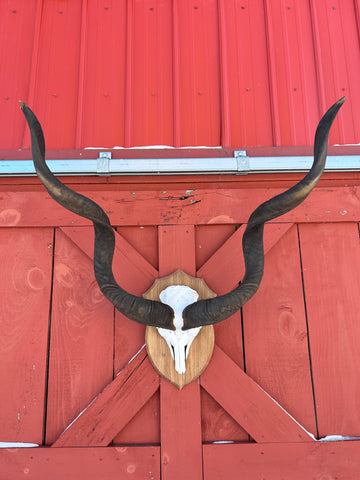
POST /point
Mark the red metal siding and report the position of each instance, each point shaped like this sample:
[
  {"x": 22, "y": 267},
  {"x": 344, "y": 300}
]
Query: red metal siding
[{"x": 180, "y": 72}]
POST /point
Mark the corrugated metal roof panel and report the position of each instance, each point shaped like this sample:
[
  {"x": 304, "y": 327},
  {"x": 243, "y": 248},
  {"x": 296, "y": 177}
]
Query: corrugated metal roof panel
[{"x": 178, "y": 72}]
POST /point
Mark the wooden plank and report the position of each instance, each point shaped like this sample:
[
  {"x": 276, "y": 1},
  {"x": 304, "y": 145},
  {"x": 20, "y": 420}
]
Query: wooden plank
[
  {"x": 133, "y": 273},
  {"x": 26, "y": 269},
  {"x": 136, "y": 274},
  {"x": 298, "y": 461},
  {"x": 215, "y": 246},
  {"x": 264, "y": 419},
  {"x": 208, "y": 239},
  {"x": 223, "y": 272},
  {"x": 226, "y": 268},
  {"x": 176, "y": 249},
  {"x": 98, "y": 424},
  {"x": 171, "y": 207},
  {"x": 216, "y": 423},
  {"x": 73, "y": 463},
  {"x": 181, "y": 455},
  {"x": 275, "y": 333},
  {"x": 144, "y": 427},
  {"x": 81, "y": 338},
  {"x": 144, "y": 240},
  {"x": 331, "y": 265},
  {"x": 127, "y": 261}
]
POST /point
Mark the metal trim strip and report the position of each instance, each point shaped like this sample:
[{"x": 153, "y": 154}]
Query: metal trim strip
[{"x": 239, "y": 164}]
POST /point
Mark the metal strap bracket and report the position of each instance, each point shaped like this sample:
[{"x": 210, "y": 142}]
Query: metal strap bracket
[
  {"x": 103, "y": 163},
  {"x": 242, "y": 160}
]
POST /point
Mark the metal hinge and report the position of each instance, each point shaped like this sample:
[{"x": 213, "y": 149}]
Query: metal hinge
[{"x": 103, "y": 163}]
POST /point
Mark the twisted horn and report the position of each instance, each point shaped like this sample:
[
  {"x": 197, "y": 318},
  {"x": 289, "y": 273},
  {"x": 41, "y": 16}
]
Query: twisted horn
[
  {"x": 147, "y": 312},
  {"x": 207, "y": 312}
]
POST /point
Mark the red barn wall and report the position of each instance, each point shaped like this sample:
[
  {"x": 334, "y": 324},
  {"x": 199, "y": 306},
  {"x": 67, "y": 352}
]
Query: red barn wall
[{"x": 130, "y": 73}]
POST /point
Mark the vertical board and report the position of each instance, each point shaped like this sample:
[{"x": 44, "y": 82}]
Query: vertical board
[
  {"x": 81, "y": 336},
  {"x": 101, "y": 107},
  {"x": 217, "y": 424},
  {"x": 17, "y": 24},
  {"x": 331, "y": 264},
  {"x": 144, "y": 428},
  {"x": 26, "y": 266},
  {"x": 245, "y": 98},
  {"x": 196, "y": 73},
  {"x": 181, "y": 450},
  {"x": 275, "y": 333},
  {"x": 149, "y": 88}
]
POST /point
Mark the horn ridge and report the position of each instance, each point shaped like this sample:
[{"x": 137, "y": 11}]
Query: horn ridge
[
  {"x": 214, "y": 310},
  {"x": 141, "y": 310}
]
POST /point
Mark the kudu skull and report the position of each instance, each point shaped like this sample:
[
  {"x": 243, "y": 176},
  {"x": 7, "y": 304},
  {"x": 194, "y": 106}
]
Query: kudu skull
[{"x": 179, "y": 317}]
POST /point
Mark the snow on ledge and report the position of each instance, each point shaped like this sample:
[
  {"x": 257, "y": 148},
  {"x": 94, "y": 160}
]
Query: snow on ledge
[
  {"x": 337, "y": 438},
  {"x": 155, "y": 147},
  {"x": 18, "y": 445}
]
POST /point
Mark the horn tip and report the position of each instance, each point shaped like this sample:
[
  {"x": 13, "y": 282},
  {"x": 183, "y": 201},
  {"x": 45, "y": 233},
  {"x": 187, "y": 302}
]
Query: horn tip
[{"x": 22, "y": 104}]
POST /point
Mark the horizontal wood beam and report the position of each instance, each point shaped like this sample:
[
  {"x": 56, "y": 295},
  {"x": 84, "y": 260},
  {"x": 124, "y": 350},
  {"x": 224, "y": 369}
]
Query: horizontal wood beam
[
  {"x": 135, "y": 463},
  {"x": 200, "y": 207},
  {"x": 298, "y": 461}
]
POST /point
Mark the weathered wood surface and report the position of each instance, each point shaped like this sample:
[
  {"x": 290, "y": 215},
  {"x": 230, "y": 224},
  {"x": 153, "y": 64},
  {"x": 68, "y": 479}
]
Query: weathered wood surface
[
  {"x": 211, "y": 240},
  {"x": 275, "y": 333},
  {"x": 181, "y": 453},
  {"x": 135, "y": 268},
  {"x": 173, "y": 207},
  {"x": 328, "y": 460},
  {"x": 113, "y": 408},
  {"x": 81, "y": 337},
  {"x": 26, "y": 263},
  {"x": 222, "y": 271},
  {"x": 202, "y": 346},
  {"x": 260, "y": 415},
  {"x": 295, "y": 461},
  {"x": 73, "y": 463},
  {"x": 331, "y": 266},
  {"x": 135, "y": 274}
]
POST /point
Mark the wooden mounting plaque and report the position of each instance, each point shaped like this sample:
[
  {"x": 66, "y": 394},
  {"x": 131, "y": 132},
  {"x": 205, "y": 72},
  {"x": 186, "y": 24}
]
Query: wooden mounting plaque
[{"x": 201, "y": 348}]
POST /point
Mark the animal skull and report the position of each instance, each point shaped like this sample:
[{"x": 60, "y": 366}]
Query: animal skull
[{"x": 178, "y": 297}]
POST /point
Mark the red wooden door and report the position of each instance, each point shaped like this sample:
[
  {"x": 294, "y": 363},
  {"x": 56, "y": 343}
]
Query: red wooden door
[{"x": 101, "y": 389}]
